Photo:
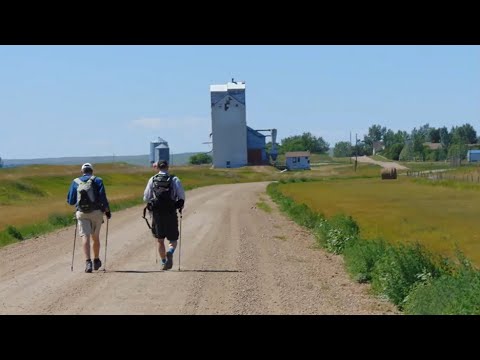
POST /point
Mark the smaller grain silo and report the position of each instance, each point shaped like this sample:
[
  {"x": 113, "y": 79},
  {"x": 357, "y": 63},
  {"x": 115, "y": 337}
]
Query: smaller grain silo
[
  {"x": 155, "y": 147},
  {"x": 162, "y": 152}
]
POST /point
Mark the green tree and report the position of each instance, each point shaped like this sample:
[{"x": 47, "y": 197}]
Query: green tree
[
  {"x": 407, "y": 153},
  {"x": 200, "y": 158},
  {"x": 388, "y": 138},
  {"x": 393, "y": 152},
  {"x": 457, "y": 152},
  {"x": 375, "y": 133},
  {"x": 304, "y": 142},
  {"x": 433, "y": 135},
  {"x": 445, "y": 137},
  {"x": 423, "y": 132},
  {"x": 418, "y": 147},
  {"x": 464, "y": 134},
  {"x": 342, "y": 149}
]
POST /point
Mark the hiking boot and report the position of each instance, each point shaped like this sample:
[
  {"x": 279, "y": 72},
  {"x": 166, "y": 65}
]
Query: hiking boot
[
  {"x": 96, "y": 264},
  {"x": 169, "y": 262},
  {"x": 88, "y": 268}
]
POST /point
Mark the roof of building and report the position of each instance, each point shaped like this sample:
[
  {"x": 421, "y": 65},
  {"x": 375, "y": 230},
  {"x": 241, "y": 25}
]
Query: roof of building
[
  {"x": 255, "y": 132},
  {"x": 240, "y": 85},
  {"x": 433, "y": 146},
  {"x": 297, "y": 153},
  {"x": 159, "y": 140},
  {"x": 378, "y": 145}
]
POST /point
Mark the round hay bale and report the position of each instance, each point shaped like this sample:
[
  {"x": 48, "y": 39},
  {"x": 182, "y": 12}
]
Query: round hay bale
[{"x": 389, "y": 173}]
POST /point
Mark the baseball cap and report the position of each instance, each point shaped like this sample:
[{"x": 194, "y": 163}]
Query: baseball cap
[
  {"x": 87, "y": 166},
  {"x": 162, "y": 163}
]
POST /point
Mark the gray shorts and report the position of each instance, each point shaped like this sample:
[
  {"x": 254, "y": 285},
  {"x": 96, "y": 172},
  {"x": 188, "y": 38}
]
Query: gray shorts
[{"x": 89, "y": 223}]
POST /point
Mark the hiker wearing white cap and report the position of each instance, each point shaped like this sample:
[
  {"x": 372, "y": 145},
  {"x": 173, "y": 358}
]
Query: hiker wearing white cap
[
  {"x": 164, "y": 195},
  {"x": 88, "y": 195}
]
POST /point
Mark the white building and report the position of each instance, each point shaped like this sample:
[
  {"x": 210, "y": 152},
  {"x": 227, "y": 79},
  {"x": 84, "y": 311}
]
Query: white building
[
  {"x": 229, "y": 125},
  {"x": 295, "y": 160},
  {"x": 473, "y": 155}
]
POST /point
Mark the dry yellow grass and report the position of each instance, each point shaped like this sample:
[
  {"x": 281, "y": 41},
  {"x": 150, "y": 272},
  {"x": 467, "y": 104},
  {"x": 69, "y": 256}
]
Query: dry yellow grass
[{"x": 401, "y": 210}]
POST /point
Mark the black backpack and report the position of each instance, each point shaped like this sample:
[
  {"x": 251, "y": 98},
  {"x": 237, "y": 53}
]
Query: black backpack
[{"x": 162, "y": 193}]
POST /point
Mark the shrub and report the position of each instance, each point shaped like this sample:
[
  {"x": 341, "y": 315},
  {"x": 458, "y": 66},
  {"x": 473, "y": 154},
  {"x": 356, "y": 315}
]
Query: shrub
[
  {"x": 453, "y": 293},
  {"x": 12, "y": 231},
  {"x": 361, "y": 257},
  {"x": 60, "y": 220},
  {"x": 337, "y": 233},
  {"x": 400, "y": 269}
]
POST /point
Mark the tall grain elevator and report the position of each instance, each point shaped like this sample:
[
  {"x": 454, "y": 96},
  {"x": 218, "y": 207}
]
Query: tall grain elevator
[{"x": 229, "y": 125}]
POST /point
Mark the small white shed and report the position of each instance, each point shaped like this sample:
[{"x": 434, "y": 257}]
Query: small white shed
[
  {"x": 297, "y": 160},
  {"x": 473, "y": 155}
]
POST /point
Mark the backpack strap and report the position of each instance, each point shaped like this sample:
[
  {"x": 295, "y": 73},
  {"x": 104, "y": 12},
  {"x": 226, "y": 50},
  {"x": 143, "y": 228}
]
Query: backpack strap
[
  {"x": 94, "y": 185},
  {"x": 144, "y": 212},
  {"x": 78, "y": 181},
  {"x": 95, "y": 189}
]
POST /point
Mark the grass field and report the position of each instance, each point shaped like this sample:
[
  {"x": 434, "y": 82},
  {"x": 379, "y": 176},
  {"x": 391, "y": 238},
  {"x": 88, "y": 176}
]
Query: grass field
[
  {"x": 29, "y": 194},
  {"x": 437, "y": 214},
  {"x": 404, "y": 210}
]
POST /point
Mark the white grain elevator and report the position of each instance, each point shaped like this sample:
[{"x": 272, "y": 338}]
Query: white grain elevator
[{"x": 229, "y": 125}]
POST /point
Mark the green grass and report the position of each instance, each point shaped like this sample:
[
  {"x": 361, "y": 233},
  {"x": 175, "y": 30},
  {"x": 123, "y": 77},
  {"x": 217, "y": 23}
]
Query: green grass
[
  {"x": 452, "y": 293},
  {"x": 264, "y": 206},
  {"x": 29, "y": 195},
  {"x": 400, "y": 211},
  {"x": 380, "y": 158},
  {"x": 409, "y": 275},
  {"x": 425, "y": 166},
  {"x": 361, "y": 257},
  {"x": 402, "y": 267}
]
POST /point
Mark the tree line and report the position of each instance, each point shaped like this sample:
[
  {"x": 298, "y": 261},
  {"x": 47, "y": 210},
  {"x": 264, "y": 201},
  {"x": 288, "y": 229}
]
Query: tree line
[
  {"x": 426, "y": 143},
  {"x": 304, "y": 142}
]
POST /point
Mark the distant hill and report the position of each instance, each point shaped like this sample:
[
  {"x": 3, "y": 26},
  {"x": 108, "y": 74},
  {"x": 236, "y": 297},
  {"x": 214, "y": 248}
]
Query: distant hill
[{"x": 141, "y": 160}]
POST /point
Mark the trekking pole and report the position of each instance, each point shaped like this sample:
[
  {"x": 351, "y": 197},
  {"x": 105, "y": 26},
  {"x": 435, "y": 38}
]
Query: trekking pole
[
  {"x": 155, "y": 244},
  {"x": 106, "y": 242},
  {"x": 180, "y": 240},
  {"x": 74, "y": 239}
]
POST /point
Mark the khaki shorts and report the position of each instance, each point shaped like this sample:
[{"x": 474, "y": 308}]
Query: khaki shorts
[{"x": 89, "y": 223}]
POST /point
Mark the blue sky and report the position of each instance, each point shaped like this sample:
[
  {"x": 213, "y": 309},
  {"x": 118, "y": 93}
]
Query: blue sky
[{"x": 101, "y": 100}]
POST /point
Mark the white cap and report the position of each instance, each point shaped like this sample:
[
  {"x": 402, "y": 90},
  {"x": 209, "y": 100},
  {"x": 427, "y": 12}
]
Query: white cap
[{"x": 87, "y": 166}]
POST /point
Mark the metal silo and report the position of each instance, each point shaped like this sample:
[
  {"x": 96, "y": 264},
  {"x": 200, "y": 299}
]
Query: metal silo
[
  {"x": 153, "y": 156},
  {"x": 163, "y": 152}
]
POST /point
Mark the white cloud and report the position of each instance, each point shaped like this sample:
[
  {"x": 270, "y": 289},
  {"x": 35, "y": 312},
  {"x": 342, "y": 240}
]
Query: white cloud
[{"x": 186, "y": 122}]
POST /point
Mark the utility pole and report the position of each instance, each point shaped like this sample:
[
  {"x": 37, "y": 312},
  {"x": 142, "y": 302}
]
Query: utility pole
[
  {"x": 350, "y": 155},
  {"x": 356, "y": 151}
]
